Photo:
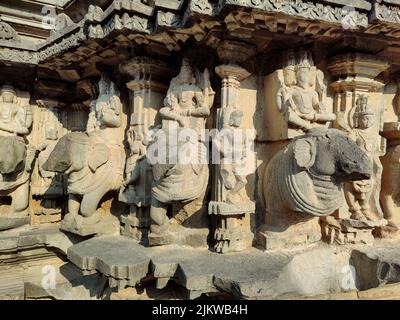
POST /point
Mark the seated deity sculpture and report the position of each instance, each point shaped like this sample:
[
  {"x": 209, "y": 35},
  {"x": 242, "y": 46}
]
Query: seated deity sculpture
[{"x": 298, "y": 97}]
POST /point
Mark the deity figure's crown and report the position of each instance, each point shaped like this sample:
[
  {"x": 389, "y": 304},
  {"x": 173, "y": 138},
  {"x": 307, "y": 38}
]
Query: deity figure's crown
[
  {"x": 7, "y": 88},
  {"x": 362, "y": 106},
  {"x": 305, "y": 60},
  {"x": 290, "y": 61}
]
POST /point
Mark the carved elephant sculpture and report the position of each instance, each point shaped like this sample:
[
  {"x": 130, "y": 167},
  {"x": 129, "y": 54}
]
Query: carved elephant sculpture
[
  {"x": 305, "y": 181},
  {"x": 93, "y": 168},
  {"x": 15, "y": 167}
]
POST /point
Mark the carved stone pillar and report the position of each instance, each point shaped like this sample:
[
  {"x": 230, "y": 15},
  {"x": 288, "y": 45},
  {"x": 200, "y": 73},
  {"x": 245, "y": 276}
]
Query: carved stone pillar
[
  {"x": 391, "y": 165},
  {"x": 148, "y": 86},
  {"x": 230, "y": 204},
  {"x": 358, "y": 105}
]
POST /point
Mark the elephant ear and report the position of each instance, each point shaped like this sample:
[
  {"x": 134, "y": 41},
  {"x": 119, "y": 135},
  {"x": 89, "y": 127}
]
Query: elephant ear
[
  {"x": 304, "y": 153},
  {"x": 99, "y": 155}
]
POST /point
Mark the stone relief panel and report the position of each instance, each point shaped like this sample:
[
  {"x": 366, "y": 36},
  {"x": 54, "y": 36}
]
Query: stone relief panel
[
  {"x": 390, "y": 183},
  {"x": 147, "y": 92},
  {"x": 182, "y": 176},
  {"x": 359, "y": 106},
  {"x": 304, "y": 182},
  {"x": 94, "y": 162},
  {"x": 47, "y": 188},
  {"x": 295, "y": 98},
  {"x": 17, "y": 156}
]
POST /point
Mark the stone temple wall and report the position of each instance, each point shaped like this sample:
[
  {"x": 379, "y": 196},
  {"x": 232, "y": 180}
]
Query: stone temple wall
[{"x": 199, "y": 147}]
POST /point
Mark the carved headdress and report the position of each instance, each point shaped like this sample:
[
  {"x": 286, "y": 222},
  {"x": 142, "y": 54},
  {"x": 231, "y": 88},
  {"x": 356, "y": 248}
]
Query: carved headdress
[
  {"x": 362, "y": 107},
  {"x": 7, "y": 88},
  {"x": 305, "y": 60}
]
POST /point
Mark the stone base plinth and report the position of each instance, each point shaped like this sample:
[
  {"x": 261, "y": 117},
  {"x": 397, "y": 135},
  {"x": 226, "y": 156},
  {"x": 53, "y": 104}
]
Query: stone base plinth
[
  {"x": 268, "y": 238},
  {"x": 344, "y": 231},
  {"x": 179, "y": 235},
  {"x": 8, "y": 222},
  {"x": 132, "y": 227}
]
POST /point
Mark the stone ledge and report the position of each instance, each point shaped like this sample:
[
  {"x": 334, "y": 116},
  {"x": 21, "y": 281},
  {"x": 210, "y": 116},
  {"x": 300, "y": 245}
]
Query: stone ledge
[{"x": 253, "y": 274}]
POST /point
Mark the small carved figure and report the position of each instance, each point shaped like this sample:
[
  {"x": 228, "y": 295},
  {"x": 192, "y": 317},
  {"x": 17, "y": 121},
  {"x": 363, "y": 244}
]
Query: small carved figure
[
  {"x": 232, "y": 162},
  {"x": 358, "y": 193}
]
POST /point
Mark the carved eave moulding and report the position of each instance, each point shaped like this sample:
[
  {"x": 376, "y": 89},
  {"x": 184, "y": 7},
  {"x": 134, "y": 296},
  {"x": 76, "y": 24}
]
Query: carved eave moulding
[
  {"x": 7, "y": 33},
  {"x": 306, "y": 10},
  {"x": 385, "y": 11}
]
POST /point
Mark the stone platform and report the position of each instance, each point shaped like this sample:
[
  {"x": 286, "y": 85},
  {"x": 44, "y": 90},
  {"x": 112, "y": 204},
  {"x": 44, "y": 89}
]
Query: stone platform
[
  {"x": 317, "y": 270},
  {"x": 116, "y": 267}
]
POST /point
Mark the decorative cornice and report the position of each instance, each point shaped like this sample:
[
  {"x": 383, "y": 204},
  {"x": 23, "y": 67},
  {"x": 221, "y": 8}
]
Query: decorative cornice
[
  {"x": 175, "y": 21},
  {"x": 7, "y": 32},
  {"x": 306, "y": 10},
  {"x": 384, "y": 13}
]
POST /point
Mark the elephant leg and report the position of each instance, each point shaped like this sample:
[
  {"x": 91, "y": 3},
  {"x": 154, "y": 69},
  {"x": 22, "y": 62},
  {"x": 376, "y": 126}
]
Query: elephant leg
[
  {"x": 74, "y": 203},
  {"x": 352, "y": 202},
  {"x": 91, "y": 201},
  {"x": 20, "y": 199},
  {"x": 158, "y": 214},
  {"x": 365, "y": 206}
]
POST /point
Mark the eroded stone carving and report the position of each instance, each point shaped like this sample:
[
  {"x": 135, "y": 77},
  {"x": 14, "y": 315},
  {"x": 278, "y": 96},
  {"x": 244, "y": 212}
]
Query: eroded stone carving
[
  {"x": 300, "y": 98},
  {"x": 47, "y": 188},
  {"x": 16, "y": 157},
  {"x": 360, "y": 194},
  {"x": 359, "y": 109},
  {"x": 7, "y": 32},
  {"x": 187, "y": 106},
  {"x": 94, "y": 162},
  {"x": 304, "y": 181}
]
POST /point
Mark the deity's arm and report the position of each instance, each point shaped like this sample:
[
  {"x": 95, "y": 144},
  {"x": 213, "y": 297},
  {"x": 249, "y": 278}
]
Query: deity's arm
[
  {"x": 24, "y": 119},
  {"x": 171, "y": 100},
  {"x": 320, "y": 107},
  {"x": 280, "y": 100},
  {"x": 295, "y": 120}
]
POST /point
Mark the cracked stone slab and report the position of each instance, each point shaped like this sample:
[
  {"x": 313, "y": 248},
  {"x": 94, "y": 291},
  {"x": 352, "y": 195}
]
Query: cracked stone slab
[
  {"x": 377, "y": 265},
  {"x": 33, "y": 237},
  {"x": 246, "y": 275}
]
